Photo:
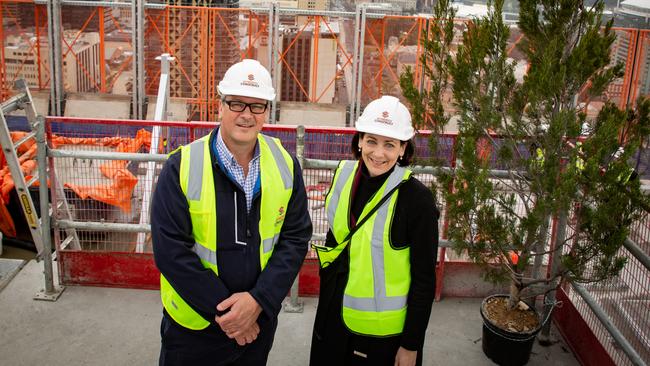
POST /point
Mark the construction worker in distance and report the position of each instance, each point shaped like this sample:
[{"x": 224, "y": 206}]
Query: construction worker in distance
[
  {"x": 377, "y": 277},
  {"x": 230, "y": 230}
]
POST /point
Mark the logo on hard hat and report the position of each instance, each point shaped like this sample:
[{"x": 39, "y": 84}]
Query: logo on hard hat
[
  {"x": 384, "y": 119},
  {"x": 250, "y": 82}
]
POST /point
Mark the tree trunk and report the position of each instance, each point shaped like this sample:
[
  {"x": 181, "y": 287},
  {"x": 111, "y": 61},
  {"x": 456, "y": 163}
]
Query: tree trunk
[{"x": 513, "y": 300}]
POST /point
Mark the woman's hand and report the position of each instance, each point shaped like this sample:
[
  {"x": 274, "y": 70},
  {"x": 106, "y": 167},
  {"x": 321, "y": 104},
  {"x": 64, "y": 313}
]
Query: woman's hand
[{"x": 405, "y": 357}]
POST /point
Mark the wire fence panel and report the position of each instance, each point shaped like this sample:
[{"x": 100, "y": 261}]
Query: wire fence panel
[
  {"x": 104, "y": 191},
  {"x": 626, "y": 301}
]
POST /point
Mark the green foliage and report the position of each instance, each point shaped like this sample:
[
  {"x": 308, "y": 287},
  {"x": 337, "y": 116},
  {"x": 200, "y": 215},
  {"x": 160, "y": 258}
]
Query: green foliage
[
  {"x": 427, "y": 105},
  {"x": 549, "y": 169}
]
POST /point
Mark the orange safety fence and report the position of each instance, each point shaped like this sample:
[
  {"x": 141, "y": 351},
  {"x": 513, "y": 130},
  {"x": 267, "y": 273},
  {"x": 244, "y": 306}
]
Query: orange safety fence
[{"x": 118, "y": 193}]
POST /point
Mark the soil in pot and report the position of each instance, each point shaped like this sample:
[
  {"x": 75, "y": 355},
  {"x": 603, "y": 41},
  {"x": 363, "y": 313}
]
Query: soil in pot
[
  {"x": 508, "y": 334},
  {"x": 521, "y": 319}
]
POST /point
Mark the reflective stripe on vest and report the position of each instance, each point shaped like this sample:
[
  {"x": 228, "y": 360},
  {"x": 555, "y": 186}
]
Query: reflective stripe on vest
[
  {"x": 341, "y": 178},
  {"x": 197, "y": 183},
  {"x": 374, "y": 301}
]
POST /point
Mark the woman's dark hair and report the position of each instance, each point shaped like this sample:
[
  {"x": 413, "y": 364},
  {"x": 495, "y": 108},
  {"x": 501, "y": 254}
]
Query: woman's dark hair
[{"x": 409, "y": 151}]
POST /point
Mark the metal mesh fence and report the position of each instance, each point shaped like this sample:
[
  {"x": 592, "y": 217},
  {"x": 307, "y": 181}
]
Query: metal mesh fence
[{"x": 626, "y": 301}]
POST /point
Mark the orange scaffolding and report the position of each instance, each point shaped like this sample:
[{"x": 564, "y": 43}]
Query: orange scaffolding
[{"x": 314, "y": 55}]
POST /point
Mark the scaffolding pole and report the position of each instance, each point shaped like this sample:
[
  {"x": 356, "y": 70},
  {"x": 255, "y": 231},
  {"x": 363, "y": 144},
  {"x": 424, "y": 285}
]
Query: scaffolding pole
[
  {"x": 137, "y": 39},
  {"x": 55, "y": 57},
  {"x": 295, "y": 304}
]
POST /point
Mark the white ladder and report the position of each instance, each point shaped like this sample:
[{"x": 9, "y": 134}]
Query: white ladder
[{"x": 23, "y": 100}]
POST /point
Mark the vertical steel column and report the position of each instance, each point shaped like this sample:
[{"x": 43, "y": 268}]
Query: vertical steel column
[
  {"x": 55, "y": 57},
  {"x": 39, "y": 62},
  {"x": 4, "y": 88},
  {"x": 314, "y": 78},
  {"x": 269, "y": 38},
  {"x": 295, "y": 305},
  {"x": 50, "y": 292},
  {"x": 421, "y": 40},
  {"x": 556, "y": 257},
  {"x": 359, "y": 80},
  {"x": 137, "y": 13},
  {"x": 355, "y": 65},
  {"x": 102, "y": 37},
  {"x": 274, "y": 12}
]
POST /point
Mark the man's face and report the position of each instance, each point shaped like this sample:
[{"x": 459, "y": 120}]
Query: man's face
[{"x": 239, "y": 129}]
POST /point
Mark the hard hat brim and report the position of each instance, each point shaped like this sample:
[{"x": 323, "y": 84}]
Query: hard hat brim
[
  {"x": 251, "y": 94},
  {"x": 384, "y": 131}
]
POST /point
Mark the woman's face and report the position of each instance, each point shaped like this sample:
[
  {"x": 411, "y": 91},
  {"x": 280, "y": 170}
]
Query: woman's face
[{"x": 380, "y": 153}]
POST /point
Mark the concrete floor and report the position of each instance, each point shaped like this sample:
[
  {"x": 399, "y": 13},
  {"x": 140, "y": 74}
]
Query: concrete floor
[{"x": 107, "y": 326}]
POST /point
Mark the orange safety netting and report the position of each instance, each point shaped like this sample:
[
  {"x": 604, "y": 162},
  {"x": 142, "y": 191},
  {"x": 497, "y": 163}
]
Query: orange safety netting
[{"x": 118, "y": 193}]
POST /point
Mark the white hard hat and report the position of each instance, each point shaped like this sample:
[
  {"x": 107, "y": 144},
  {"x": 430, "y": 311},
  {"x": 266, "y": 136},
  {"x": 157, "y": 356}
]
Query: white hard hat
[
  {"x": 387, "y": 117},
  {"x": 247, "y": 78}
]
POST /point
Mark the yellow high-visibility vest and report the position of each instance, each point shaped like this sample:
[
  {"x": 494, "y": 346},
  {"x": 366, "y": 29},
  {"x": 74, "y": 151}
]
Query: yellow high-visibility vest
[
  {"x": 374, "y": 300},
  {"x": 197, "y": 183}
]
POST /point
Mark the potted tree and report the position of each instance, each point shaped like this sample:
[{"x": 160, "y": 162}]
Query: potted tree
[{"x": 529, "y": 159}]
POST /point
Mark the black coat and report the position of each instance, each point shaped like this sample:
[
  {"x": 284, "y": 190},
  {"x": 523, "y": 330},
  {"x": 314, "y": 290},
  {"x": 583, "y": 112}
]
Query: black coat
[{"x": 415, "y": 223}]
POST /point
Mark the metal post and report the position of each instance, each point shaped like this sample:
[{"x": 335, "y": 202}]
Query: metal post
[
  {"x": 556, "y": 258},
  {"x": 55, "y": 57},
  {"x": 359, "y": 80},
  {"x": 137, "y": 39},
  {"x": 270, "y": 37},
  {"x": 295, "y": 305},
  {"x": 273, "y": 60},
  {"x": 355, "y": 63},
  {"x": 162, "y": 102},
  {"x": 423, "y": 64},
  {"x": 50, "y": 293}
]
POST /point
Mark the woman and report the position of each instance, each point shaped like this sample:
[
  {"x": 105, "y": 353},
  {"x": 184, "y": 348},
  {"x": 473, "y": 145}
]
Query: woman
[{"x": 377, "y": 277}]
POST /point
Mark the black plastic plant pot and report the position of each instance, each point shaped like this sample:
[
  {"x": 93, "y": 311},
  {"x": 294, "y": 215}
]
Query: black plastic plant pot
[{"x": 504, "y": 347}]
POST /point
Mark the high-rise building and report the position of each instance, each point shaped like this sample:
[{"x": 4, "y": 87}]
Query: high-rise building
[
  {"x": 634, "y": 13},
  {"x": 313, "y": 4},
  {"x": 310, "y": 5}
]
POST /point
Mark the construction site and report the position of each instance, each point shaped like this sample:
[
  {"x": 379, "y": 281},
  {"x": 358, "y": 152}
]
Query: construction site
[{"x": 95, "y": 94}]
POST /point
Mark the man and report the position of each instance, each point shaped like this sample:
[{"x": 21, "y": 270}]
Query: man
[{"x": 230, "y": 229}]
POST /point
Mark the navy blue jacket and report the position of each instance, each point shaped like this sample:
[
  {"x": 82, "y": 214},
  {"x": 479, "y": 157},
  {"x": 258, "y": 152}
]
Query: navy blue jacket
[{"x": 239, "y": 265}]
